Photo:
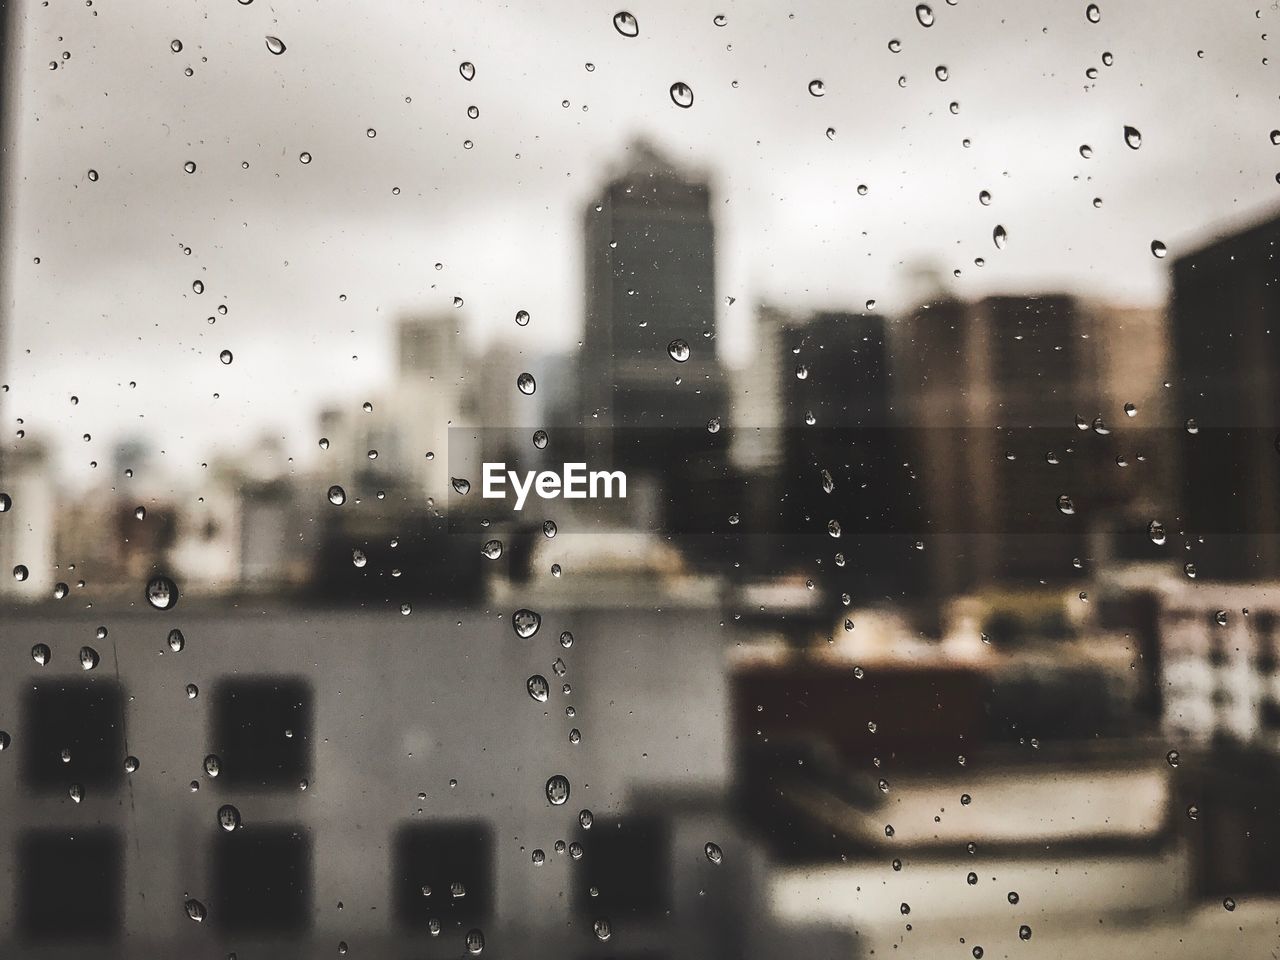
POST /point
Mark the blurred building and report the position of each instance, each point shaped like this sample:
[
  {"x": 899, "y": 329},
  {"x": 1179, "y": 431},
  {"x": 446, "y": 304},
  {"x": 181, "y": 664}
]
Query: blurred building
[
  {"x": 649, "y": 373},
  {"x": 991, "y": 393},
  {"x": 1224, "y": 314}
]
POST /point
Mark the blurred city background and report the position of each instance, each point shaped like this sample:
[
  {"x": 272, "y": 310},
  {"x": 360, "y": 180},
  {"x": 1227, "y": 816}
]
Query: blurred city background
[{"x": 942, "y": 614}]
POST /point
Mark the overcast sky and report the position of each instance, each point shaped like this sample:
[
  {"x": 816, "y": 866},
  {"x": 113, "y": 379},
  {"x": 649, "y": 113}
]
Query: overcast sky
[{"x": 280, "y": 243}]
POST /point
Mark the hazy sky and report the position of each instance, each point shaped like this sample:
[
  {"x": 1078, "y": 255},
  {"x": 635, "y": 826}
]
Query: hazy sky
[{"x": 280, "y": 242}]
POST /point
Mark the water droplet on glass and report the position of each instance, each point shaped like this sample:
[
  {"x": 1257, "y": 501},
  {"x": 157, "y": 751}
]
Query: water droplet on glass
[
  {"x": 626, "y": 24},
  {"x": 526, "y": 384},
  {"x": 1132, "y": 137},
  {"x": 566, "y": 639},
  {"x": 1228, "y": 904},
  {"x": 558, "y": 790},
  {"x": 276, "y": 45},
  {"x": 40, "y": 653},
  {"x": 195, "y": 910},
  {"x": 538, "y": 687},
  {"x": 713, "y": 852},
  {"x": 225, "y": 356},
  {"x": 681, "y": 94},
  {"x": 522, "y": 318},
  {"x": 1158, "y": 249},
  {"x": 461, "y": 485},
  {"x": 175, "y": 46},
  {"x": 1155, "y": 530},
  {"x": 525, "y": 622},
  {"x": 304, "y": 157},
  {"x": 192, "y": 691},
  {"x": 603, "y": 930},
  {"x": 189, "y": 166},
  {"x": 1066, "y": 506},
  {"x": 1000, "y": 236},
  {"x": 678, "y": 350},
  {"x": 228, "y": 817},
  {"x": 549, "y": 529},
  {"x": 212, "y": 765},
  {"x": 162, "y": 593},
  {"x": 1172, "y": 758},
  {"x": 337, "y": 496},
  {"x": 540, "y": 439},
  {"x": 131, "y": 764},
  {"x": 924, "y": 14},
  {"x": 1092, "y": 13},
  {"x": 75, "y": 792},
  {"x": 817, "y": 88},
  {"x": 492, "y": 549},
  {"x": 88, "y": 658}
]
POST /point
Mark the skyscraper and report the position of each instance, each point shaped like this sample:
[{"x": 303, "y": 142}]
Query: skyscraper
[
  {"x": 649, "y": 369},
  {"x": 1226, "y": 303}
]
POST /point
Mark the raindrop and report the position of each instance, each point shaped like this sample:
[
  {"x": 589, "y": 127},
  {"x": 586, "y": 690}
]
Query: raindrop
[
  {"x": 1132, "y": 137},
  {"x": 719, "y": 19},
  {"x": 1013, "y": 897},
  {"x": 566, "y": 639},
  {"x": 984, "y": 198},
  {"x": 802, "y": 372},
  {"x": 602, "y": 930},
  {"x": 713, "y": 852},
  {"x": 189, "y": 166},
  {"x": 492, "y": 549},
  {"x": 75, "y": 792},
  {"x": 713, "y": 425},
  {"x": 540, "y": 439},
  {"x": 525, "y": 622},
  {"x": 526, "y": 384},
  {"x": 467, "y": 69},
  {"x": 20, "y": 573},
  {"x": 192, "y": 692},
  {"x": 212, "y": 765},
  {"x": 1065, "y": 506},
  {"x": 1000, "y": 236},
  {"x": 162, "y": 593},
  {"x": 1158, "y": 249},
  {"x": 558, "y": 790},
  {"x": 461, "y": 485},
  {"x": 1228, "y": 904},
  {"x": 1172, "y": 758},
  {"x": 337, "y": 496},
  {"x": 817, "y": 88},
  {"x": 924, "y": 14},
  {"x": 678, "y": 350},
  {"x": 539, "y": 858},
  {"x": 681, "y": 94},
  {"x": 1092, "y": 13},
  {"x": 195, "y": 910},
  {"x": 6, "y": 502},
  {"x": 275, "y": 45},
  {"x": 40, "y": 653},
  {"x": 131, "y": 764},
  {"x": 538, "y": 687},
  {"x": 225, "y": 356},
  {"x": 88, "y": 658},
  {"x": 304, "y": 157},
  {"x": 93, "y": 176},
  {"x": 228, "y": 817},
  {"x": 626, "y": 24},
  {"x": 941, "y": 73},
  {"x": 176, "y": 46},
  {"x": 522, "y": 318},
  {"x": 831, "y": 133},
  {"x": 1155, "y": 530},
  {"x": 549, "y": 529},
  {"x": 586, "y": 819},
  {"x": 1086, "y": 151}
]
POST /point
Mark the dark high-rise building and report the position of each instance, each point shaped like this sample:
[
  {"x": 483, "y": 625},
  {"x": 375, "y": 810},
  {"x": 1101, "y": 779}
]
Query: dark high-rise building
[
  {"x": 649, "y": 371},
  {"x": 991, "y": 392},
  {"x": 1225, "y": 315}
]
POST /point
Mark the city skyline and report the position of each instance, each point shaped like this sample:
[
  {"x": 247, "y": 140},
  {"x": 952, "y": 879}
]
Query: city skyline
[{"x": 114, "y": 283}]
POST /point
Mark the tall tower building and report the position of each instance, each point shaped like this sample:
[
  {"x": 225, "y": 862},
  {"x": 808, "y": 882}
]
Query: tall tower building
[
  {"x": 1225, "y": 315},
  {"x": 649, "y": 369}
]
